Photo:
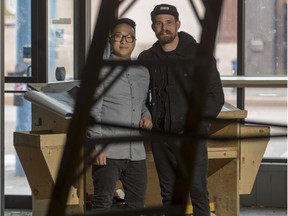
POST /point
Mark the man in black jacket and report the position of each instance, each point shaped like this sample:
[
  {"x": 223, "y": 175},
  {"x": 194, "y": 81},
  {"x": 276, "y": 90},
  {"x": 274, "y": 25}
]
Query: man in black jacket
[{"x": 169, "y": 85}]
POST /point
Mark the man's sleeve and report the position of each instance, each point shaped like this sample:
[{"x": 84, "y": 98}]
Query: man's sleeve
[
  {"x": 95, "y": 128},
  {"x": 215, "y": 98}
]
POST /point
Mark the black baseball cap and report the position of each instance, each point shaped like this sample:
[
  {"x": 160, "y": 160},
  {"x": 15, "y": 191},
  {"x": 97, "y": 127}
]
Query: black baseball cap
[
  {"x": 164, "y": 9},
  {"x": 124, "y": 20}
]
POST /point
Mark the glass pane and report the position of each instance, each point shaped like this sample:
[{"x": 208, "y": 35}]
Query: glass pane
[
  {"x": 17, "y": 118},
  {"x": 226, "y": 46},
  {"x": 269, "y": 105},
  {"x": 230, "y": 96},
  {"x": 266, "y": 38},
  {"x": 17, "y": 36},
  {"x": 60, "y": 40},
  {"x": 226, "y": 43},
  {"x": 266, "y": 55},
  {"x": 18, "y": 39}
]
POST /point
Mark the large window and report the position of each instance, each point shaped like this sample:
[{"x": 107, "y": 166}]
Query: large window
[
  {"x": 265, "y": 54},
  {"x": 18, "y": 61}
]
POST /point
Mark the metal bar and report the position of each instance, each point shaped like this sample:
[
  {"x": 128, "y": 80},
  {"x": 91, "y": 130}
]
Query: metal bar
[
  {"x": 82, "y": 32},
  {"x": 240, "y": 51},
  {"x": 128, "y": 7},
  {"x": 39, "y": 40},
  {"x": 76, "y": 135},
  {"x": 196, "y": 12},
  {"x": 254, "y": 82},
  {"x": 196, "y": 103},
  {"x": 12, "y": 79}
]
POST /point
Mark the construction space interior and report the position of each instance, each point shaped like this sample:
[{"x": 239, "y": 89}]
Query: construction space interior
[{"x": 66, "y": 42}]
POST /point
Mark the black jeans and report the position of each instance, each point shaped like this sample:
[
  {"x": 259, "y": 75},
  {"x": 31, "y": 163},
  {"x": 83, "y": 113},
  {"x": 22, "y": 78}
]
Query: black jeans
[
  {"x": 133, "y": 176},
  {"x": 166, "y": 160}
]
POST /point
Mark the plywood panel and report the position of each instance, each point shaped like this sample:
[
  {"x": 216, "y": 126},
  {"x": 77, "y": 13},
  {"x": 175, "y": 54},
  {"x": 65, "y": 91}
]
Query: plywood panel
[{"x": 251, "y": 154}]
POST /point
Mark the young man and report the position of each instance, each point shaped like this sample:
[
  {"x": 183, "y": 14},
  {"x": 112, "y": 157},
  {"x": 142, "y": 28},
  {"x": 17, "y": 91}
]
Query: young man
[
  {"x": 123, "y": 104},
  {"x": 169, "y": 104}
]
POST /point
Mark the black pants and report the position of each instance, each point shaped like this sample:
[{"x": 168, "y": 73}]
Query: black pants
[
  {"x": 166, "y": 160},
  {"x": 133, "y": 176}
]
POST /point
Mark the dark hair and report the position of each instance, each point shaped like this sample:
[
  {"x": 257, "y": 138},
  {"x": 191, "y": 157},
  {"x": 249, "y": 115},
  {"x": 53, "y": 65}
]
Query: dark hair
[
  {"x": 164, "y": 9},
  {"x": 123, "y": 20}
]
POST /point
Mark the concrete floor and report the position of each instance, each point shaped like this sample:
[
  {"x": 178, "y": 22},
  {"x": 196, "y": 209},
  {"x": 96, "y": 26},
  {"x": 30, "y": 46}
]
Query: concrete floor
[{"x": 244, "y": 211}]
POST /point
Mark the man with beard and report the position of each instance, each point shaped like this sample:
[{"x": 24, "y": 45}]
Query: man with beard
[{"x": 168, "y": 104}]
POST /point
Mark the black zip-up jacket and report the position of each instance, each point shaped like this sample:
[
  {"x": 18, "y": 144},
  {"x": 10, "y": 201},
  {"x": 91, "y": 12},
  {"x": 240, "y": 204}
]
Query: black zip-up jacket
[{"x": 167, "y": 98}]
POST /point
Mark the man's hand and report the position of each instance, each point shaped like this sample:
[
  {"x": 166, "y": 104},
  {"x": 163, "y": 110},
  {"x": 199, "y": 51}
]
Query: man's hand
[
  {"x": 100, "y": 159},
  {"x": 146, "y": 122}
]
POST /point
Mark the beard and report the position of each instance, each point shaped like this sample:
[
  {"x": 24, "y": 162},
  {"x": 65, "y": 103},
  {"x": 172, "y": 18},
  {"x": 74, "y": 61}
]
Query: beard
[{"x": 166, "y": 38}]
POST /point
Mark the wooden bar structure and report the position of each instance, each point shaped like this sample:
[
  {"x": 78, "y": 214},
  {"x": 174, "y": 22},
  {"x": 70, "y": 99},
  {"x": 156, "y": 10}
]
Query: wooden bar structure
[
  {"x": 233, "y": 164},
  {"x": 40, "y": 154}
]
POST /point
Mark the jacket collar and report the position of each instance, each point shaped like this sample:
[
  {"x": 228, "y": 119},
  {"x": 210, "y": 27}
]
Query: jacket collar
[{"x": 114, "y": 57}]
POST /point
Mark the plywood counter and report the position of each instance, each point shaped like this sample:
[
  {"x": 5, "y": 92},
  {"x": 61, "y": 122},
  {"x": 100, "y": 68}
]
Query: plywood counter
[{"x": 233, "y": 164}]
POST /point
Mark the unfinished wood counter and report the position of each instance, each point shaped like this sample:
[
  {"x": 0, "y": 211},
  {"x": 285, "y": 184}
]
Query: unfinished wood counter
[{"x": 233, "y": 163}]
